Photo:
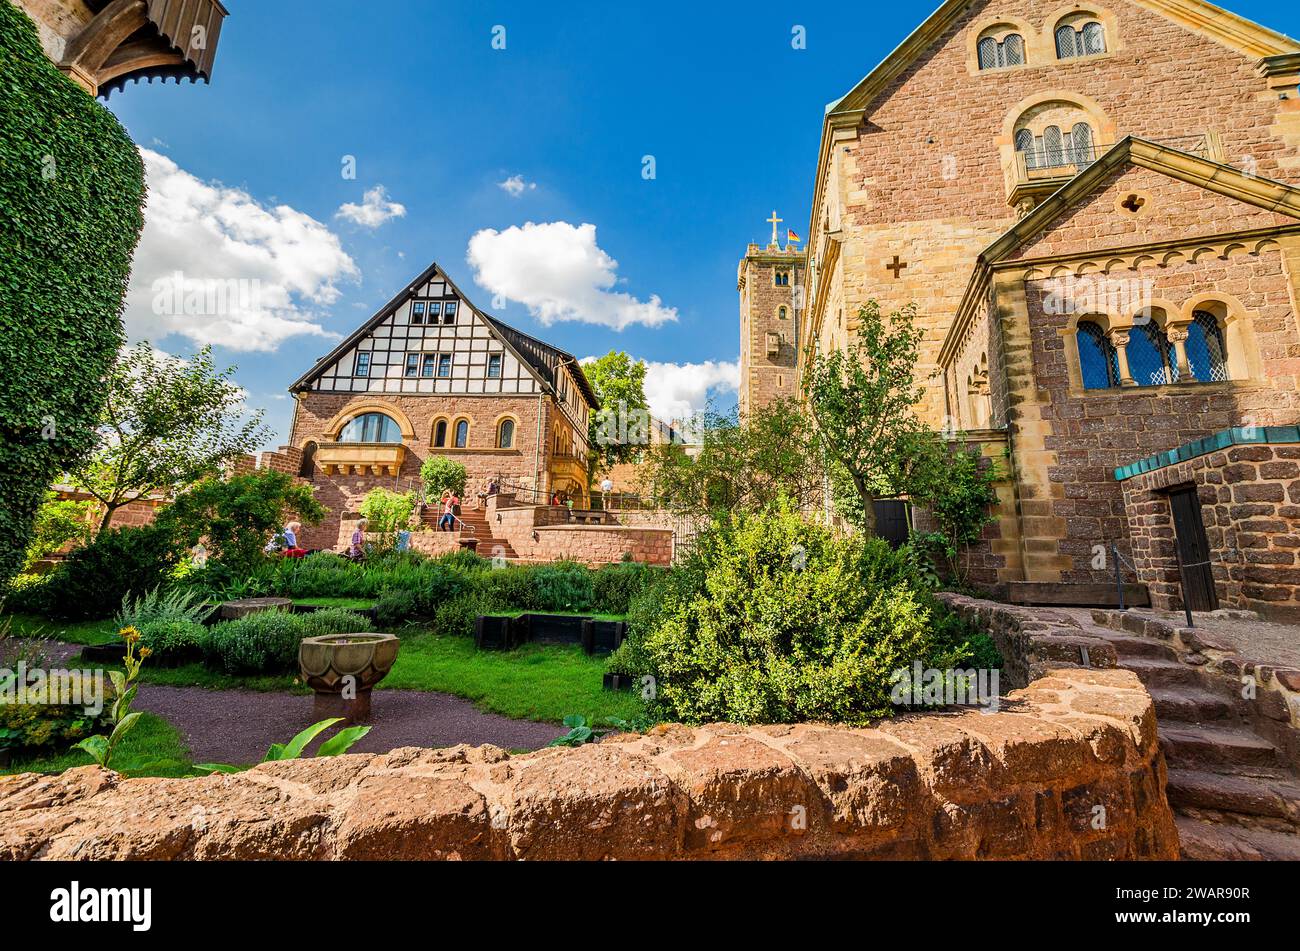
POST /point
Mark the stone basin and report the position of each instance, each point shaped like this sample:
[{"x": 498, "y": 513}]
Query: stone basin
[{"x": 343, "y": 668}]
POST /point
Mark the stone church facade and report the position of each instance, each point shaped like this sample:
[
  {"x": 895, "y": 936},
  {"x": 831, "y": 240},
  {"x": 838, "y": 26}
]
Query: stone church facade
[
  {"x": 432, "y": 375},
  {"x": 1095, "y": 209}
]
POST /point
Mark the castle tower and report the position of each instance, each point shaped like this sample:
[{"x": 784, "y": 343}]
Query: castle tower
[{"x": 771, "y": 283}]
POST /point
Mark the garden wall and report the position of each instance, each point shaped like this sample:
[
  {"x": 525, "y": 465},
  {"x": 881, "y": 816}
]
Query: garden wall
[
  {"x": 544, "y": 533},
  {"x": 1070, "y": 769}
]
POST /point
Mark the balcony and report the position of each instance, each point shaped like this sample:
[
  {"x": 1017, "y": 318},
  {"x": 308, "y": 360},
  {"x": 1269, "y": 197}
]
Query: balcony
[
  {"x": 360, "y": 458},
  {"x": 1034, "y": 174}
]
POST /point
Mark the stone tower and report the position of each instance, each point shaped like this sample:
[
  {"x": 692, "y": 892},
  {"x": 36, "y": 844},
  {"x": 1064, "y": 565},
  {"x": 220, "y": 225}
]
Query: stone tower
[{"x": 771, "y": 283}]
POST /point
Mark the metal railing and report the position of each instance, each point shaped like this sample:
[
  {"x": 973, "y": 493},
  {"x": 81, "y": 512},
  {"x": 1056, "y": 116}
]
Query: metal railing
[{"x": 1117, "y": 558}]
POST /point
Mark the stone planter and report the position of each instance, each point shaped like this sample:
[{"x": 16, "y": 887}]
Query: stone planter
[
  {"x": 343, "y": 669},
  {"x": 233, "y": 610}
]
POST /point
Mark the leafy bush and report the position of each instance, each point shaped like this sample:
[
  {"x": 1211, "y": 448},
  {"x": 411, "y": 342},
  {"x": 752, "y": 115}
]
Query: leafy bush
[
  {"x": 776, "y": 620},
  {"x": 178, "y": 604},
  {"x": 395, "y": 607},
  {"x": 262, "y": 643},
  {"x": 615, "y": 586},
  {"x": 329, "y": 621},
  {"x": 71, "y": 203},
  {"x": 58, "y": 521},
  {"x": 27, "y": 594},
  {"x": 236, "y": 517},
  {"x": 388, "y": 512},
  {"x": 562, "y": 586},
  {"x": 173, "y": 640},
  {"x": 441, "y": 474},
  {"x": 35, "y": 723},
  {"x": 457, "y": 616},
  {"x": 120, "y": 562}
]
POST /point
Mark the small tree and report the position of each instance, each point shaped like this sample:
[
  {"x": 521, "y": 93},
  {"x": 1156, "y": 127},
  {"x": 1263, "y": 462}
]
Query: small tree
[
  {"x": 236, "y": 517},
  {"x": 960, "y": 504},
  {"x": 441, "y": 474},
  {"x": 166, "y": 423},
  {"x": 388, "y": 512},
  {"x": 619, "y": 384},
  {"x": 742, "y": 465},
  {"x": 58, "y": 521},
  {"x": 863, "y": 398}
]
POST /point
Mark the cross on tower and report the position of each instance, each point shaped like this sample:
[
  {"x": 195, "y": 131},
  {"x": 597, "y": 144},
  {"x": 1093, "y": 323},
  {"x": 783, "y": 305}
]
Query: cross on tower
[
  {"x": 774, "y": 221},
  {"x": 896, "y": 266}
]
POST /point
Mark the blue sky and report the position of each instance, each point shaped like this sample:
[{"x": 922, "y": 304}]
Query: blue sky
[{"x": 248, "y": 173}]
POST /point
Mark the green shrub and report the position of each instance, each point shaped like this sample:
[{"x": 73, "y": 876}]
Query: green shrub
[
  {"x": 388, "y": 512},
  {"x": 178, "y": 604},
  {"x": 457, "y": 616},
  {"x": 395, "y": 607},
  {"x": 441, "y": 474},
  {"x": 777, "y": 620},
  {"x": 563, "y": 586},
  {"x": 329, "y": 621},
  {"x": 120, "y": 562},
  {"x": 27, "y": 594},
  {"x": 262, "y": 643},
  {"x": 614, "y": 586},
  {"x": 70, "y": 216},
  {"x": 34, "y": 723},
  {"x": 173, "y": 640}
]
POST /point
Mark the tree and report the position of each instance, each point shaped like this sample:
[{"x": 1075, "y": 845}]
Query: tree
[
  {"x": 441, "y": 474},
  {"x": 71, "y": 210},
  {"x": 863, "y": 398},
  {"x": 618, "y": 432},
  {"x": 236, "y": 517},
  {"x": 58, "y": 521},
  {"x": 387, "y": 512},
  {"x": 741, "y": 465},
  {"x": 166, "y": 424},
  {"x": 959, "y": 504}
]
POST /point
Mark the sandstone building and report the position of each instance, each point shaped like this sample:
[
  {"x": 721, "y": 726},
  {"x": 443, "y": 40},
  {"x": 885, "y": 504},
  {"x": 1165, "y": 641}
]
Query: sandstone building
[
  {"x": 1095, "y": 209},
  {"x": 431, "y": 374},
  {"x": 771, "y": 282},
  {"x": 101, "y": 44}
]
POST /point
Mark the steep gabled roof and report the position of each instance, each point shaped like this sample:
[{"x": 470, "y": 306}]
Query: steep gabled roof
[{"x": 538, "y": 355}]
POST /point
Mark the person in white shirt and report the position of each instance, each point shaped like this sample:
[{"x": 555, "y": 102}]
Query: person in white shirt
[{"x": 606, "y": 487}]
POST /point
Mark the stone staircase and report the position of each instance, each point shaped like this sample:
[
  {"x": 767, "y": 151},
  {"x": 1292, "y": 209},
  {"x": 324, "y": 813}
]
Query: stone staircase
[
  {"x": 476, "y": 525},
  {"x": 1233, "y": 793}
]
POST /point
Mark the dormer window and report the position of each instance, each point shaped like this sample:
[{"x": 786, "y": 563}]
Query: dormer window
[
  {"x": 998, "y": 52},
  {"x": 1081, "y": 38}
]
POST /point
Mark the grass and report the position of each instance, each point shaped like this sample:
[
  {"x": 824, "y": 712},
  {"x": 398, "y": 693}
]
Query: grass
[
  {"x": 534, "y": 682},
  {"x": 352, "y": 604},
  {"x": 151, "y": 748},
  {"x": 71, "y": 632}
]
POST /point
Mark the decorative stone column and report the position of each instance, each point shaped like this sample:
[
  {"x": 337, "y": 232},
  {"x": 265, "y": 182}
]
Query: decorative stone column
[
  {"x": 1178, "y": 337},
  {"x": 1119, "y": 340}
]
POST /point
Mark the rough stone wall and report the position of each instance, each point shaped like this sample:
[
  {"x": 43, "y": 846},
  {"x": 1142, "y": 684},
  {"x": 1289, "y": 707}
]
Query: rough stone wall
[
  {"x": 542, "y": 532},
  {"x": 1250, "y": 504},
  {"x": 1028, "y": 782},
  {"x": 765, "y": 376},
  {"x": 923, "y": 178}
]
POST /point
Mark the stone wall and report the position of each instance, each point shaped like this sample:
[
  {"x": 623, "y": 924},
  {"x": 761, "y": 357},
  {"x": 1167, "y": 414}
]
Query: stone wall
[
  {"x": 1250, "y": 504},
  {"x": 543, "y": 532},
  {"x": 1071, "y": 769}
]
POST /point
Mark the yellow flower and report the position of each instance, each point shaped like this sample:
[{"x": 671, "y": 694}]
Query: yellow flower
[
  {"x": 129, "y": 634},
  {"x": 145, "y": 652}
]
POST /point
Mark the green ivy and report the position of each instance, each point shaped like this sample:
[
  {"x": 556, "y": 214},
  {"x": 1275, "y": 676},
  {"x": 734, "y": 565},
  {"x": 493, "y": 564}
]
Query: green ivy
[{"x": 71, "y": 199}]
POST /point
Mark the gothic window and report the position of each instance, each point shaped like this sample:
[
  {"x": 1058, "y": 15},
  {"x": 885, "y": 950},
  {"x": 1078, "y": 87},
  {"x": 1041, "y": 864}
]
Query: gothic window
[
  {"x": 506, "y": 434},
  {"x": 994, "y": 53},
  {"x": 1081, "y": 143},
  {"x": 1206, "y": 353},
  {"x": 462, "y": 433},
  {"x": 1053, "y": 148},
  {"x": 1074, "y": 41},
  {"x": 362, "y": 365},
  {"x": 1150, "y": 356},
  {"x": 1097, "y": 359},
  {"x": 440, "y": 434},
  {"x": 371, "y": 427},
  {"x": 781, "y": 277}
]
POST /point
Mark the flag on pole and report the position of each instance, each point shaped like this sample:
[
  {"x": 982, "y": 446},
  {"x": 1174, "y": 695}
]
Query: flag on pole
[{"x": 791, "y": 236}]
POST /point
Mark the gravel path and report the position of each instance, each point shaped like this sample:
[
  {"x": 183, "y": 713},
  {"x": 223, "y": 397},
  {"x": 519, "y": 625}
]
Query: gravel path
[{"x": 237, "y": 726}]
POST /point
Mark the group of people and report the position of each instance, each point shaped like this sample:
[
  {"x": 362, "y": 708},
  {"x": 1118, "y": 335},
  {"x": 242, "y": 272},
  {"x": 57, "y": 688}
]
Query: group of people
[{"x": 286, "y": 542}]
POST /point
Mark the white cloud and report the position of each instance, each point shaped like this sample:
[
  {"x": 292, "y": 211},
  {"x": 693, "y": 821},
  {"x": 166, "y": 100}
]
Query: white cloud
[
  {"x": 559, "y": 273},
  {"x": 514, "y": 186},
  {"x": 216, "y": 266},
  {"x": 374, "y": 210},
  {"x": 677, "y": 391}
]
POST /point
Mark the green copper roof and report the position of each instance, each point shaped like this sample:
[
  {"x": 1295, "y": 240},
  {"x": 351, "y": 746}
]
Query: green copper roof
[{"x": 1245, "y": 435}]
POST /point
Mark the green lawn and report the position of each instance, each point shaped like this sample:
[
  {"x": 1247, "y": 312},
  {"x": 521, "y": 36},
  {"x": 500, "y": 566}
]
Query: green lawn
[
  {"x": 151, "y": 748},
  {"x": 72, "y": 632},
  {"x": 352, "y": 604},
  {"x": 534, "y": 682}
]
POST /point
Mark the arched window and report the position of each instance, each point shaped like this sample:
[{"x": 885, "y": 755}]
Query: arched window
[
  {"x": 1081, "y": 143},
  {"x": 506, "y": 434},
  {"x": 1055, "y": 149},
  {"x": 782, "y": 313},
  {"x": 1151, "y": 356},
  {"x": 1025, "y": 143},
  {"x": 462, "y": 433},
  {"x": 440, "y": 433},
  {"x": 994, "y": 53},
  {"x": 1097, "y": 358},
  {"x": 1206, "y": 353},
  {"x": 1073, "y": 41},
  {"x": 371, "y": 427}
]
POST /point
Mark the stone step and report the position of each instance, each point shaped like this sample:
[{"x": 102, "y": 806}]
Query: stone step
[
  {"x": 1135, "y": 645},
  {"x": 1198, "y": 745},
  {"x": 1154, "y": 672},
  {"x": 1212, "y": 842},
  {"x": 1192, "y": 704},
  {"x": 1245, "y": 795}
]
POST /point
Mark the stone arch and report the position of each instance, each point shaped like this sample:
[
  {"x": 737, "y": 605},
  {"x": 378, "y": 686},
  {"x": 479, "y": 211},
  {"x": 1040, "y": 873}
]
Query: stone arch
[
  {"x": 1238, "y": 328},
  {"x": 1101, "y": 123},
  {"x": 1078, "y": 13},
  {"x": 496, "y": 431},
  {"x": 998, "y": 27},
  {"x": 360, "y": 408}
]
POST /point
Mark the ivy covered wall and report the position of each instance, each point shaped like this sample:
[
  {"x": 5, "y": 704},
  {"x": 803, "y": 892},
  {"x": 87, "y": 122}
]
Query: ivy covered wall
[{"x": 71, "y": 199}]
